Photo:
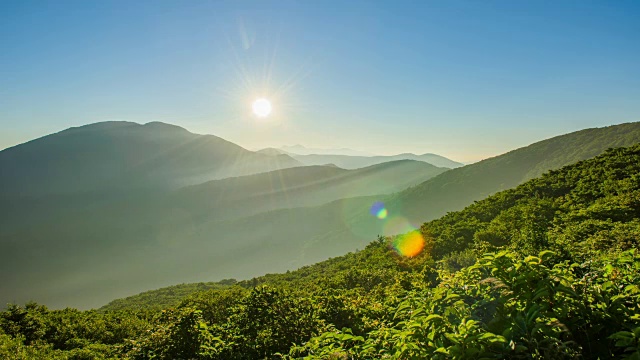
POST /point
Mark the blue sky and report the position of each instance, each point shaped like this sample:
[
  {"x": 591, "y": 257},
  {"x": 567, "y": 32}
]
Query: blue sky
[{"x": 465, "y": 79}]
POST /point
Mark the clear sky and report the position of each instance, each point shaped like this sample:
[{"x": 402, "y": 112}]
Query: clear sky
[{"x": 464, "y": 79}]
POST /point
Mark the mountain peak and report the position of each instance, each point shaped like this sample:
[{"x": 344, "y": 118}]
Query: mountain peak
[
  {"x": 116, "y": 125},
  {"x": 160, "y": 126}
]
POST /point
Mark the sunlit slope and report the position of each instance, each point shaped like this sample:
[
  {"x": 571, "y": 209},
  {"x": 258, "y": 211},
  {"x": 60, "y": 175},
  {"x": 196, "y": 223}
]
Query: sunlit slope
[
  {"x": 353, "y": 162},
  {"x": 166, "y": 297},
  {"x": 120, "y": 156},
  {"x": 460, "y": 187}
]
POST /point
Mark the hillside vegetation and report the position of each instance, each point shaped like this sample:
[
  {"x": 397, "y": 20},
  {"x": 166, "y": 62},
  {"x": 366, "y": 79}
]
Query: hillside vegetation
[
  {"x": 163, "y": 298},
  {"x": 548, "y": 270},
  {"x": 460, "y": 187}
]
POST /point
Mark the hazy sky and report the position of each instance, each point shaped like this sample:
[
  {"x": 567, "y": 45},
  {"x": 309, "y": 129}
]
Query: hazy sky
[{"x": 465, "y": 79}]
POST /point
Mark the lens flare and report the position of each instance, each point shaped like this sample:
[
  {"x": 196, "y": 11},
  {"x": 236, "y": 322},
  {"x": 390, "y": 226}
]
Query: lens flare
[
  {"x": 410, "y": 244},
  {"x": 378, "y": 210}
]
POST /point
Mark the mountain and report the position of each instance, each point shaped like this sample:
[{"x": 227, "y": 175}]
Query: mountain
[
  {"x": 549, "y": 267},
  {"x": 147, "y": 239},
  {"x": 300, "y": 186},
  {"x": 117, "y": 156},
  {"x": 518, "y": 273},
  {"x": 578, "y": 211},
  {"x": 354, "y": 162},
  {"x": 344, "y": 225},
  {"x": 301, "y": 150},
  {"x": 272, "y": 151},
  {"x": 460, "y": 187}
]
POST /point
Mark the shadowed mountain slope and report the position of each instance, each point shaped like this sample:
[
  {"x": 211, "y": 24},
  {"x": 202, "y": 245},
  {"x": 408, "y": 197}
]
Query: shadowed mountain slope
[
  {"x": 120, "y": 156},
  {"x": 146, "y": 239},
  {"x": 300, "y": 186}
]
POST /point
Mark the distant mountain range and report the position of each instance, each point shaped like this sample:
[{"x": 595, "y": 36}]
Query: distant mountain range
[
  {"x": 351, "y": 159},
  {"x": 123, "y": 155},
  {"x": 301, "y": 150},
  {"x": 354, "y": 162},
  {"x": 70, "y": 244},
  {"x": 300, "y": 186},
  {"x": 78, "y": 202}
]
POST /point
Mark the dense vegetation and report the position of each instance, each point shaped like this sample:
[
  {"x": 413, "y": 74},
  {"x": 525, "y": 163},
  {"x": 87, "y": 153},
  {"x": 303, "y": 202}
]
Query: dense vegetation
[
  {"x": 548, "y": 270},
  {"x": 166, "y": 297}
]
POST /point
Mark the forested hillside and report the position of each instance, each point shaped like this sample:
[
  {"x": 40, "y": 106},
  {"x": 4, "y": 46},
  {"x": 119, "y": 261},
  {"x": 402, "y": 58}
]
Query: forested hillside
[
  {"x": 460, "y": 187},
  {"x": 548, "y": 270}
]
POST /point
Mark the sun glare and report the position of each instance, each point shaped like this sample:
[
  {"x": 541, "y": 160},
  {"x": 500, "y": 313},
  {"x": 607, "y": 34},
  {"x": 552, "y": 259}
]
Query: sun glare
[{"x": 261, "y": 107}]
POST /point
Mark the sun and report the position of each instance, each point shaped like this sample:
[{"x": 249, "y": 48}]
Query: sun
[{"x": 261, "y": 107}]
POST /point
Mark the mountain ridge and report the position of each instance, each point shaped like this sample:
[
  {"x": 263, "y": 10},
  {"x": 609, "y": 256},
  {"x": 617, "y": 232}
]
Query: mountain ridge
[
  {"x": 190, "y": 245},
  {"x": 459, "y": 187},
  {"x": 118, "y": 155},
  {"x": 354, "y": 162}
]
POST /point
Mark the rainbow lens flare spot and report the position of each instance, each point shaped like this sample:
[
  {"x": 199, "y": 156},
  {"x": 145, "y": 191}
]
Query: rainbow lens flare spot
[
  {"x": 378, "y": 210},
  {"x": 410, "y": 244}
]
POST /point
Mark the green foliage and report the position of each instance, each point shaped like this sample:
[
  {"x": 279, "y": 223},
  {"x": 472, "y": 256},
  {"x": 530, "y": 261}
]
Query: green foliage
[
  {"x": 165, "y": 297},
  {"x": 548, "y": 270},
  {"x": 13, "y": 348},
  {"x": 506, "y": 306},
  {"x": 578, "y": 212},
  {"x": 178, "y": 334},
  {"x": 39, "y": 333},
  {"x": 458, "y": 260},
  {"x": 269, "y": 321}
]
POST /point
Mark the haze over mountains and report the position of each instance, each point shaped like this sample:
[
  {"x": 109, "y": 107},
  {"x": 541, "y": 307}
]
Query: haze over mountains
[
  {"x": 460, "y": 187},
  {"x": 61, "y": 247},
  {"x": 351, "y": 159},
  {"x": 302, "y": 150},
  {"x": 80, "y": 198},
  {"x": 123, "y": 155},
  {"x": 354, "y": 162}
]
